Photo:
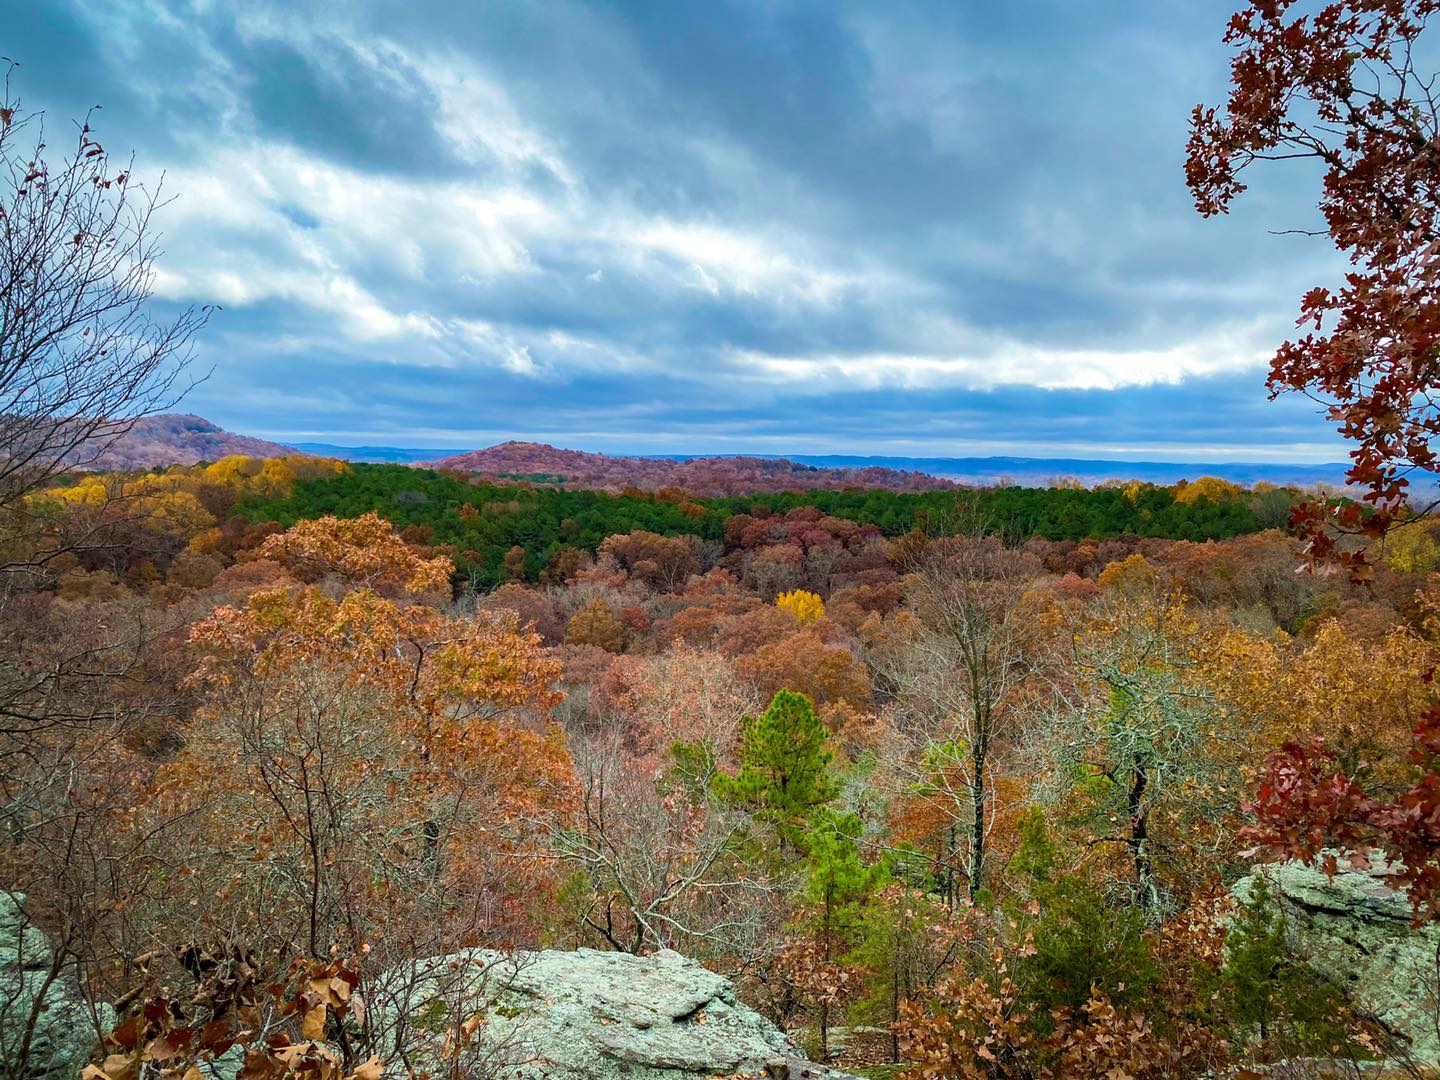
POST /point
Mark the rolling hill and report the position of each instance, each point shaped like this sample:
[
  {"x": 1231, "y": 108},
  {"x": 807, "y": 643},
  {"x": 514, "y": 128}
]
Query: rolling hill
[
  {"x": 716, "y": 476},
  {"x": 180, "y": 439}
]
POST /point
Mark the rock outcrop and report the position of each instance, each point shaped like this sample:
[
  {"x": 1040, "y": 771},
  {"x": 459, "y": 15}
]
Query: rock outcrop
[
  {"x": 64, "y": 1029},
  {"x": 585, "y": 1015},
  {"x": 1356, "y": 930}
]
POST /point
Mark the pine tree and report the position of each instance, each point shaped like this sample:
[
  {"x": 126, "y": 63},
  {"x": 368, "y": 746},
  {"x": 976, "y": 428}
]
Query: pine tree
[
  {"x": 784, "y": 772},
  {"x": 837, "y": 883},
  {"x": 1273, "y": 994}
]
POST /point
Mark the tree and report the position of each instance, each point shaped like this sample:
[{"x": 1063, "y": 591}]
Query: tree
[
  {"x": 837, "y": 881},
  {"x": 907, "y": 941},
  {"x": 805, "y": 662},
  {"x": 366, "y": 760},
  {"x": 683, "y": 695},
  {"x": 361, "y": 757},
  {"x": 660, "y": 561},
  {"x": 805, "y": 606},
  {"x": 365, "y": 551},
  {"x": 1360, "y": 696},
  {"x": 1272, "y": 993},
  {"x": 596, "y": 624},
  {"x": 83, "y": 356},
  {"x": 968, "y": 676},
  {"x": 1339, "y": 85},
  {"x": 1205, "y": 487},
  {"x": 1410, "y": 548},
  {"x": 1145, "y": 757},
  {"x": 658, "y": 859},
  {"x": 784, "y": 768}
]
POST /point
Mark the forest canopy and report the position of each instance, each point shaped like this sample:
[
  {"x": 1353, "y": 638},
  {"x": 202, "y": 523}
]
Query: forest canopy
[{"x": 482, "y": 522}]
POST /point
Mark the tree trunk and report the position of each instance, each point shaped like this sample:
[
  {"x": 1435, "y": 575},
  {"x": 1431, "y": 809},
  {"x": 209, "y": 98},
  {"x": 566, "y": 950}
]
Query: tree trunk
[
  {"x": 979, "y": 753},
  {"x": 1146, "y": 893},
  {"x": 895, "y": 1015}
]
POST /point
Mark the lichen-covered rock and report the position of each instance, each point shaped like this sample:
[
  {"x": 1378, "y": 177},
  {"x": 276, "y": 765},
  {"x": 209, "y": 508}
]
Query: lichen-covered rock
[
  {"x": 64, "y": 1031},
  {"x": 1357, "y": 931},
  {"x": 583, "y": 1015}
]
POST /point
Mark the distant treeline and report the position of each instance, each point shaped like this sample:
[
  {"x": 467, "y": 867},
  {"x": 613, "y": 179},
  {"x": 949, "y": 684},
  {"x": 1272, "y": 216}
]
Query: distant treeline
[{"x": 483, "y": 522}]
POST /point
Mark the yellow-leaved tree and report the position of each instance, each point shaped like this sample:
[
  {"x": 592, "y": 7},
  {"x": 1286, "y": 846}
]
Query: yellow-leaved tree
[{"x": 804, "y": 605}]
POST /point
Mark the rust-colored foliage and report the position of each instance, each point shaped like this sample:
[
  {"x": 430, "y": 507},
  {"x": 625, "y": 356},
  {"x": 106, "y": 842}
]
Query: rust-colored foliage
[
  {"x": 364, "y": 551},
  {"x": 1307, "y": 803},
  {"x": 281, "y": 1028},
  {"x": 356, "y": 758},
  {"x": 974, "y": 1031}
]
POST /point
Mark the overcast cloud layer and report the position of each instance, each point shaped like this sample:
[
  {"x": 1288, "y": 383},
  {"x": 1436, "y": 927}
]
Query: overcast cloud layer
[{"x": 939, "y": 228}]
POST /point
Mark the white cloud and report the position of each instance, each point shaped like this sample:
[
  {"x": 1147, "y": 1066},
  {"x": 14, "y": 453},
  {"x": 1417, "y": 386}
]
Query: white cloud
[
  {"x": 999, "y": 362},
  {"x": 720, "y": 260}
]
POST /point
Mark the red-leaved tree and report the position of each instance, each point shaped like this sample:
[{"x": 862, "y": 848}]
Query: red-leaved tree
[{"x": 1340, "y": 86}]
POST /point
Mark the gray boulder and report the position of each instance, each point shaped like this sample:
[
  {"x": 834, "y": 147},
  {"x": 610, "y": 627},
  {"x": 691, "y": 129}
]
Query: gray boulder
[
  {"x": 65, "y": 1028},
  {"x": 1356, "y": 930},
  {"x": 582, "y": 1015}
]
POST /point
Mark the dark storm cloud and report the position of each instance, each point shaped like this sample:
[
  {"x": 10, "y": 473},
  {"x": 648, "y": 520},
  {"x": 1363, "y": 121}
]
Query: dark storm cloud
[{"x": 917, "y": 226}]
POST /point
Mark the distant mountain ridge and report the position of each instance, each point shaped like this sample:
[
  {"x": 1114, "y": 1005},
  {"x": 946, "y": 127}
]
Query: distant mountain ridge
[
  {"x": 1039, "y": 472},
  {"x": 181, "y": 439},
  {"x": 715, "y": 476},
  {"x": 379, "y": 455}
]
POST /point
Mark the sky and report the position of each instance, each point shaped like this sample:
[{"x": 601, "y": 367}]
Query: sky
[{"x": 948, "y": 228}]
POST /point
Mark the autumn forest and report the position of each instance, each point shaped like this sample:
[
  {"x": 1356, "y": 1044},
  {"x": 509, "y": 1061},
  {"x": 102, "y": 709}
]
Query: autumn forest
[{"x": 299, "y": 755}]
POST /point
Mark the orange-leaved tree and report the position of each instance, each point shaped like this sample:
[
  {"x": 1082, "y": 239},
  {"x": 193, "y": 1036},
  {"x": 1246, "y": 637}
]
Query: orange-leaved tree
[
  {"x": 364, "y": 551},
  {"x": 363, "y": 767}
]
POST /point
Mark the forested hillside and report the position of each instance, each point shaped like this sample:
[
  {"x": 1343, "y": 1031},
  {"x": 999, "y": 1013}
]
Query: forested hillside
[
  {"x": 172, "y": 439},
  {"x": 743, "y": 728},
  {"x": 481, "y": 523},
  {"x": 701, "y": 475}
]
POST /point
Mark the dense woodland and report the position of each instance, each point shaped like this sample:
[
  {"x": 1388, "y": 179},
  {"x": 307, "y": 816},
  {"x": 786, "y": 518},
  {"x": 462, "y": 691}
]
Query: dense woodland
[
  {"x": 480, "y": 523},
  {"x": 952, "y": 783},
  {"x": 963, "y": 789}
]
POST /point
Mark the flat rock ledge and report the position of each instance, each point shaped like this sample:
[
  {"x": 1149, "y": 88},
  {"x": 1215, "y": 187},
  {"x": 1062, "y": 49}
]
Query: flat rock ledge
[
  {"x": 584, "y": 1015},
  {"x": 47, "y": 1030},
  {"x": 1357, "y": 931}
]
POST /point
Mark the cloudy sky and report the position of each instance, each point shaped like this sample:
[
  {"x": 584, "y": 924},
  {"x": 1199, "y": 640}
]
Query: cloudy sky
[{"x": 939, "y": 228}]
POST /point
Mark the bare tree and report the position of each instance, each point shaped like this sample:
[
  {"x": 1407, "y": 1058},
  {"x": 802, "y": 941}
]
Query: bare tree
[
  {"x": 83, "y": 357},
  {"x": 661, "y": 865},
  {"x": 82, "y": 354},
  {"x": 961, "y": 683}
]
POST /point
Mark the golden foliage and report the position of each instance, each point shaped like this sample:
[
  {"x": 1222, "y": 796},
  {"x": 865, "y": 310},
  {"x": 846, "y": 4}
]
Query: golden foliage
[
  {"x": 1410, "y": 548},
  {"x": 805, "y": 606},
  {"x": 1206, "y": 487},
  {"x": 595, "y": 624},
  {"x": 1361, "y": 697},
  {"x": 1133, "y": 575}
]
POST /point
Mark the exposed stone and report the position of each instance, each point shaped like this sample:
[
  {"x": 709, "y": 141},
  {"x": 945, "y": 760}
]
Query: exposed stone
[
  {"x": 64, "y": 1032},
  {"x": 586, "y": 1015},
  {"x": 1357, "y": 931}
]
